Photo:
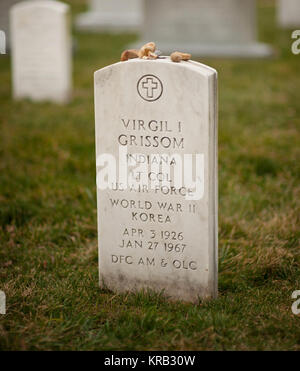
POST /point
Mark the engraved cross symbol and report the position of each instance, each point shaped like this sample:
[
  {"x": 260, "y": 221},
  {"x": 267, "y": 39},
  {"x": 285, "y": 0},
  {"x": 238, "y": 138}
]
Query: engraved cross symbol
[
  {"x": 150, "y": 85},
  {"x": 149, "y": 88}
]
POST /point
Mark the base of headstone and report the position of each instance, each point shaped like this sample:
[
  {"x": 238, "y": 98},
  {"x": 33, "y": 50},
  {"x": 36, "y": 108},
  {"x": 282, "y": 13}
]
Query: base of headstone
[
  {"x": 252, "y": 50},
  {"x": 93, "y": 21}
]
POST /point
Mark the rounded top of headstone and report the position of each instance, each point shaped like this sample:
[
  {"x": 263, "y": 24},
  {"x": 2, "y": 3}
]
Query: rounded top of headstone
[
  {"x": 163, "y": 61},
  {"x": 46, "y": 4}
]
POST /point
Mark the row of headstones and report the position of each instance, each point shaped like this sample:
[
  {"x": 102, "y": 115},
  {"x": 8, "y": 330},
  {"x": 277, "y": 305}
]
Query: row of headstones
[
  {"x": 41, "y": 41},
  {"x": 229, "y": 22},
  {"x": 202, "y": 27},
  {"x": 121, "y": 15},
  {"x": 128, "y": 15}
]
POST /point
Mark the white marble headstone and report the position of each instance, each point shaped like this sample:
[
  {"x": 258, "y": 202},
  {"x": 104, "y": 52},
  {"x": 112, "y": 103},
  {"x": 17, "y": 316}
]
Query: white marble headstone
[
  {"x": 288, "y": 13},
  {"x": 41, "y": 51},
  {"x": 224, "y": 28},
  {"x": 111, "y": 16},
  {"x": 156, "y": 154}
]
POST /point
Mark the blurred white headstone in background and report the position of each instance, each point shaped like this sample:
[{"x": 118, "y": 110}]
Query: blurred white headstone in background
[
  {"x": 41, "y": 50},
  {"x": 288, "y": 13},
  {"x": 5, "y": 6},
  {"x": 111, "y": 16},
  {"x": 203, "y": 27},
  {"x": 2, "y": 42}
]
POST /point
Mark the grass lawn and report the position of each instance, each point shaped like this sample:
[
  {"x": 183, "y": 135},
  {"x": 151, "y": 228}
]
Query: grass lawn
[{"x": 48, "y": 234}]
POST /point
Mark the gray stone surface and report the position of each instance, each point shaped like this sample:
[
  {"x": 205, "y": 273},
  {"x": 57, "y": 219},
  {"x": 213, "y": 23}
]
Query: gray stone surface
[
  {"x": 288, "y": 13},
  {"x": 41, "y": 51},
  {"x": 157, "y": 233},
  {"x": 225, "y": 28},
  {"x": 5, "y": 6},
  {"x": 112, "y": 16}
]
